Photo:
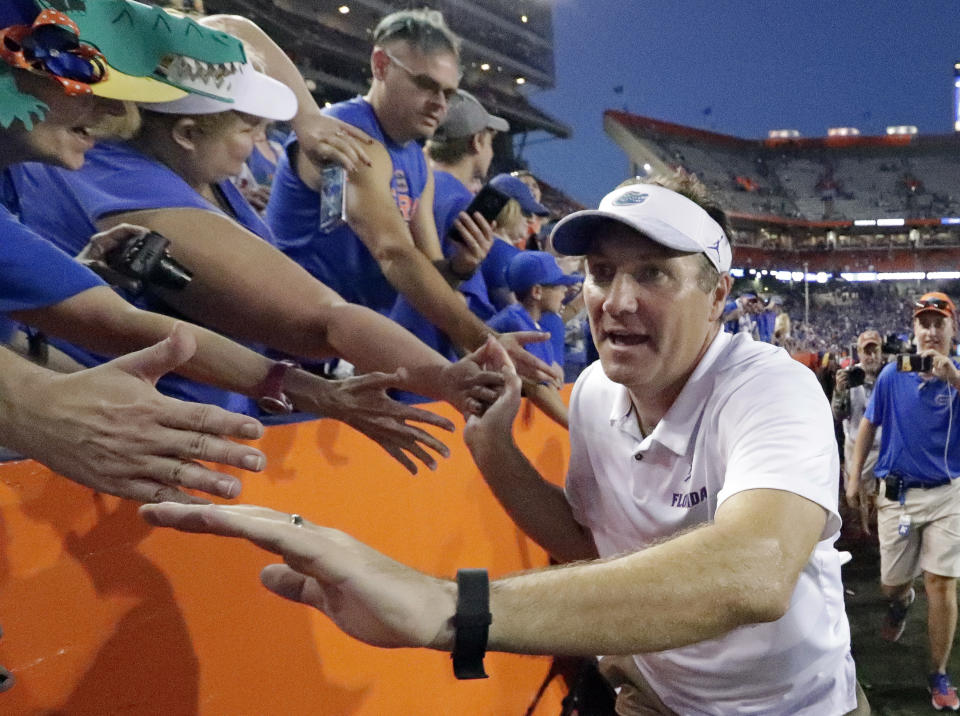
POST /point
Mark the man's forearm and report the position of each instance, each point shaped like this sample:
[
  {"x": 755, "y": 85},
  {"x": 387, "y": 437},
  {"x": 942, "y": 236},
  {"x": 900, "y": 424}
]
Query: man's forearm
[
  {"x": 741, "y": 569},
  {"x": 412, "y": 274},
  {"x": 537, "y": 506},
  {"x": 629, "y": 604},
  {"x": 375, "y": 343},
  {"x": 16, "y": 376}
]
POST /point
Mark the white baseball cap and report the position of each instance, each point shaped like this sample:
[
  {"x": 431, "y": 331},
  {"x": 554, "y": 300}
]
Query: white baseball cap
[
  {"x": 670, "y": 219},
  {"x": 245, "y": 90}
]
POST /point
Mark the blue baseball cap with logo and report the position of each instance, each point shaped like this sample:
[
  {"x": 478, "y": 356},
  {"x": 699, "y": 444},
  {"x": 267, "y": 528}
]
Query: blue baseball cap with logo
[
  {"x": 662, "y": 215},
  {"x": 515, "y": 188},
  {"x": 531, "y": 268}
]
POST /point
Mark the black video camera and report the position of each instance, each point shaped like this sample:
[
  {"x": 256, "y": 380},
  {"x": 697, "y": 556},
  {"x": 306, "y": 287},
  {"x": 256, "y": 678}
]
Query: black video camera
[{"x": 146, "y": 259}]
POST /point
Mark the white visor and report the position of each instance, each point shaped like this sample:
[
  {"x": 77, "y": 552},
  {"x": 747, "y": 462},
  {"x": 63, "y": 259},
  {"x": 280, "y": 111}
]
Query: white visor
[{"x": 246, "y": 91}]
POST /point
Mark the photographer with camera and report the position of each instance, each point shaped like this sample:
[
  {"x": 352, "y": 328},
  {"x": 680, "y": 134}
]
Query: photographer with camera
[
  {"x": 915, "y": 402},
  {"x": 850, "y": 396}
]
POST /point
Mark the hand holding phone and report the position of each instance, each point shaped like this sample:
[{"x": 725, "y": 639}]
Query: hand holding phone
[{"x": 489, "y": 202}]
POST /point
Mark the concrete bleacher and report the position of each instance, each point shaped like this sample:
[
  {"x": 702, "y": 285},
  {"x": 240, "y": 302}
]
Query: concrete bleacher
[{"x": 827, "y": 183}]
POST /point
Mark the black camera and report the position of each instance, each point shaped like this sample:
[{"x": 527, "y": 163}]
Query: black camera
[
  {"x": 913, "y": 363},
  {"x": 892, "y": 345},
  {"x": 856, "y": 376},
  {"x": 146, "y": 259}
]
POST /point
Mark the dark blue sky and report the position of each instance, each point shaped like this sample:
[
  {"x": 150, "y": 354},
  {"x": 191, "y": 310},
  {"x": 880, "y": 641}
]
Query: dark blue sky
[{"x": 740, "y": 68}]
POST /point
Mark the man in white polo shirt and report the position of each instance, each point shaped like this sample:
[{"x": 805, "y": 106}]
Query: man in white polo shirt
[{"x": 699, "y": 511}]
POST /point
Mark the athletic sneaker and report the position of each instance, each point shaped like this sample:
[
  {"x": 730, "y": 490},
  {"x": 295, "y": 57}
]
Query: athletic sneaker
[
  {"x": 896, "y": 620},
  {"x": 942, "y": 694}
]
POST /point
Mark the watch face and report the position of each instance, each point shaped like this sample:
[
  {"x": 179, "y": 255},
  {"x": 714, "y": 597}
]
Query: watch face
[{"x": 275, "y": 405}]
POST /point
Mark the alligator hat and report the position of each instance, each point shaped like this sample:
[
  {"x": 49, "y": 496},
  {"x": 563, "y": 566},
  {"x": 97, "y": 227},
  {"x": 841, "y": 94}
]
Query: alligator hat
[{"x": 117, "y": 49}]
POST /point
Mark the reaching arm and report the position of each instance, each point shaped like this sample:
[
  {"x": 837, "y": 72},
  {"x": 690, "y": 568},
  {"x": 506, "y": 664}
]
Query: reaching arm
[
  {"x": 246, "y": 288},
  {"x": 322, "y": 138},
  {"x": 865, "y": 435},
  {"x": 372, "y": 213},
  {"x": 109, "y": 429},
  {"x": 537, "y": 506},
  {"x": 747, "y": 564},
  {"x": 101, "y": 321},
  {"x": 547, "y": 399}
]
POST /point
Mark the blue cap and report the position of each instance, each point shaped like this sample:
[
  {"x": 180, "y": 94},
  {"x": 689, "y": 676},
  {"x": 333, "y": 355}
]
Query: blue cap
[
  {"x": 532, "y": 268},
  {"x": 516, "y": 189}
]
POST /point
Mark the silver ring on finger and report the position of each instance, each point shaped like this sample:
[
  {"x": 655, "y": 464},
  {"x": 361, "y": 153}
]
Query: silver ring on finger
[{"x": 296, "y": 520}]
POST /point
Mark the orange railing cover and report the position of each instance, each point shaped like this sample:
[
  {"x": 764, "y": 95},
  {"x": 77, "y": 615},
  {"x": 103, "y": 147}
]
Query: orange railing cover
[{"x": 103, "y": 614}]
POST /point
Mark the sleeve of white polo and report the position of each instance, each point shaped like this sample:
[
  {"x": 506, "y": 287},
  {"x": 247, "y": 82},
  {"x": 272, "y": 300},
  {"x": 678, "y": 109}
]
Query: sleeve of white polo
[{"x": 777, "y": 433}]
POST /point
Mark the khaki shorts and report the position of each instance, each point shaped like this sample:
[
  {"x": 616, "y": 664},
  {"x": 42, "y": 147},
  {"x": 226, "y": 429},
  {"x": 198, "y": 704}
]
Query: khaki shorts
[{"x": 933, "y": 541}]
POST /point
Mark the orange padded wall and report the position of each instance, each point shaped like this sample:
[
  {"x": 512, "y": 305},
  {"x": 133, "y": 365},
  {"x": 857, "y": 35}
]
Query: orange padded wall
[{"x": 103, "y": 614}]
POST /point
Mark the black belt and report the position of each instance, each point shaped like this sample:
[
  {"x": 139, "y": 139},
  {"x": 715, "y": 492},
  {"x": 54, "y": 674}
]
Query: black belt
[{"x": 907, "y": 483}]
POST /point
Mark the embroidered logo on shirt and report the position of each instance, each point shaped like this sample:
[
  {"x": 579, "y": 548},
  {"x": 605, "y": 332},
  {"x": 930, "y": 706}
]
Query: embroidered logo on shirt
[{"x": 689, "y": 499}]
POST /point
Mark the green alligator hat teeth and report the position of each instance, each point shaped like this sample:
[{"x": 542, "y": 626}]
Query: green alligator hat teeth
[{"x": 139, "y": 43}]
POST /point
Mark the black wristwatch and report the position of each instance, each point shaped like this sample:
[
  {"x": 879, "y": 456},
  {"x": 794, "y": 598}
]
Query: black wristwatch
[{"x": 471, "y": 623}]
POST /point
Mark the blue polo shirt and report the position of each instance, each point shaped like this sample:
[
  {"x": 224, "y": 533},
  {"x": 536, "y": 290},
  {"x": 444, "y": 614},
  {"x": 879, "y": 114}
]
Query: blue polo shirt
[
  {"x": 921, "y": 427},
  {"x": 339, "y": 258}
]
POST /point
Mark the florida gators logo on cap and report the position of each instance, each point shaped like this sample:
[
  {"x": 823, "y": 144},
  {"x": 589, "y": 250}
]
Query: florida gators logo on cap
[{"x": 630, "y": 197}]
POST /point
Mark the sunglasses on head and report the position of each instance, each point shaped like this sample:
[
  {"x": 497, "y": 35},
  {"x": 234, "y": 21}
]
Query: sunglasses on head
[
  {"x": 937, "y": 303},
  {"x": 423, "y": 81}
]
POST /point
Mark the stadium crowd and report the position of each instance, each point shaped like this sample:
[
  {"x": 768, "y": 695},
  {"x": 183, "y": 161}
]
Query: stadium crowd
[{"x": 274, "y": 257}]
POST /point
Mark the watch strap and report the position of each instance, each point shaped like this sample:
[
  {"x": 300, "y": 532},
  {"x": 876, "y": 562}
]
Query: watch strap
[{"x": 471, "y": 623}]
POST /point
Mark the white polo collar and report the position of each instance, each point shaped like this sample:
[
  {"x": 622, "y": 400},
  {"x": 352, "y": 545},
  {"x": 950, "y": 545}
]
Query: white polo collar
[{"x": 676, "y": 427}]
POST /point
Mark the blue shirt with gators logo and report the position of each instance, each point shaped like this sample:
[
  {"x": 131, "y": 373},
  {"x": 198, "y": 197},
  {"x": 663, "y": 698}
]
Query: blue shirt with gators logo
[
  {"x": 921, "y": 426},
  {"x": 33, "y": 273},
  {"x": 339, "y": 258},
  {"x": 65, "y": 206}
]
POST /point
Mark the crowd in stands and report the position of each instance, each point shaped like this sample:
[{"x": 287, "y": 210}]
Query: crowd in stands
[{"x": 350, "y": 260}]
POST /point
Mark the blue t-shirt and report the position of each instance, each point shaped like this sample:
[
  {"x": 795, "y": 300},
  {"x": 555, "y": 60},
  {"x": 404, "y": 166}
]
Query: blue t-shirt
[
  {"x": 765, "y": 325},
  {"x": 494, "y": 269},
  {"x": 920, "y": 418},
  {"x": 339, "y": 258},
  {"x": 33, "y": 273},
  {"x": 64, "y": 207},
  {"x": 553, "y": 323},
  {"x": 516, "y": 318}
]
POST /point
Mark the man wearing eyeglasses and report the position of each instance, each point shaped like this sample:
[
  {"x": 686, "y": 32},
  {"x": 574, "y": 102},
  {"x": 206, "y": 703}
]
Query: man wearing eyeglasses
[
  {"x": 918, "y": 508},
  {"x": 387, "y": 242}
]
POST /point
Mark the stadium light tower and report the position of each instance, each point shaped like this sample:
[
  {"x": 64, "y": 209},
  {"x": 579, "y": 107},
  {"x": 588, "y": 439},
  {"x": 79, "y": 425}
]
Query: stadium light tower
[{"x": 956, "y": 96}]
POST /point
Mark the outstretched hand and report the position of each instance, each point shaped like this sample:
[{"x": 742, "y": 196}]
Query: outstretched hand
[
  {"x": 495, "y": 426},
  {"x": 365, "y": 593},
  {"x": 528, "y": 365},
  {"x": 472, "y": 384},
  {"x": 109, "y": 429},
  {"x": 363, "y": 404}
]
